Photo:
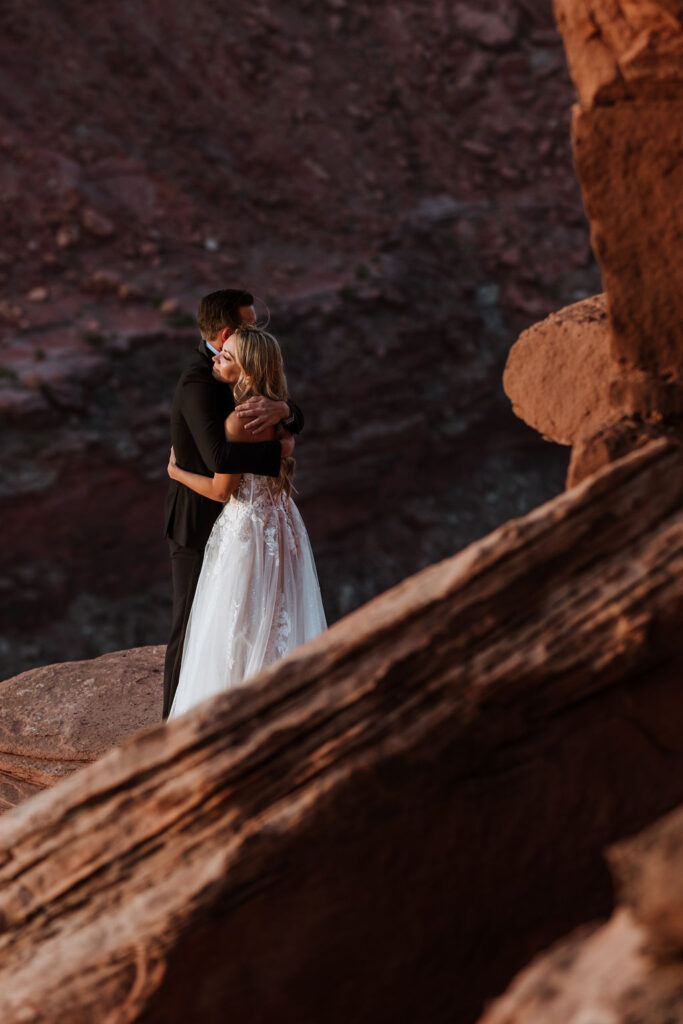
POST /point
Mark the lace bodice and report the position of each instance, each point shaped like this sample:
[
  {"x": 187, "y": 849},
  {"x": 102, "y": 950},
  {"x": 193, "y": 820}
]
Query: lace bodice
[
  {"x": 256, "y": 503},
  {"x": 259, "y": 490}
]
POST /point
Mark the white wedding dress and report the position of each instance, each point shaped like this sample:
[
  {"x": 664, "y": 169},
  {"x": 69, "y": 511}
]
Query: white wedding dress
[{"x": 257, "y": 597}]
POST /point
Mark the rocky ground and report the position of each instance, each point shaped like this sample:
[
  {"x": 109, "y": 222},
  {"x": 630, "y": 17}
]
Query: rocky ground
[
  {"x": 397, "y": 188},
  {"x": 56, "y": 719}
]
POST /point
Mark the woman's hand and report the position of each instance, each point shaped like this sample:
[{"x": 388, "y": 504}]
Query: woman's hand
[
  {"x": 258, "y": 413},
  {"x": 172, "y": 464}
]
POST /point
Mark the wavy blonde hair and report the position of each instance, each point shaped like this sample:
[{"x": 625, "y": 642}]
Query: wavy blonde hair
[{"x": 262, "y": 373}]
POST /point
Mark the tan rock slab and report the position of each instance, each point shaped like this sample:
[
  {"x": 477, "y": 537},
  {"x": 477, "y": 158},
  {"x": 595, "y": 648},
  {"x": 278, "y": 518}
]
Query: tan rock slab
[
  {"x": 56, "y": 719},
  {"x": 558, "y": 372}
]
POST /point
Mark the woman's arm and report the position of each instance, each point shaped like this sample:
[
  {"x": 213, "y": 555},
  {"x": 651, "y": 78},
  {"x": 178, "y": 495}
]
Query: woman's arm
[
  {"x": 218, "y": 487},
  {"x": 237, "y": 431},
  {"x": 203, "y": 415}
]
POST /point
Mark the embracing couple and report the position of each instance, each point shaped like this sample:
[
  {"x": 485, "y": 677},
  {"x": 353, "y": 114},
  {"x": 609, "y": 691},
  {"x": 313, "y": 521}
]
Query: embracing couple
[{"x": 245, "y": 588}]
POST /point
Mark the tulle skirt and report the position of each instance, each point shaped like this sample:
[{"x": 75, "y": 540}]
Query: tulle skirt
[{"x": 257, "y": 597}]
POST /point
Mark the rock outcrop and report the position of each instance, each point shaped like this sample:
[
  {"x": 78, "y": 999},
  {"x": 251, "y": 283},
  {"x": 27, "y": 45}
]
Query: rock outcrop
[
  {"x": 631, "y": 968},
  {"x": 627, "y": 64},
  {"x": 558, "y": 372},
  {"x": 386, "y": 824},
  {"x": 623, "y": 51},
  {"x": 56, "y": 719}
]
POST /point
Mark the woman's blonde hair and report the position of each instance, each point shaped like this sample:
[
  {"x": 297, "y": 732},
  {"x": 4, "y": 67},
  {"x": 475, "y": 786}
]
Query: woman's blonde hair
[{"x": 262, "y": 373}]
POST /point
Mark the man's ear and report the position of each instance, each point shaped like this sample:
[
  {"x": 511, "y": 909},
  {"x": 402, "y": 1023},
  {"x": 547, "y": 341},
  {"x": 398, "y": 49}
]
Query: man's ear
[{"x": 223, "y": 336}]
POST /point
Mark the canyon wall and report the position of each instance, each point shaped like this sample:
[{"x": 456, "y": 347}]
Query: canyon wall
[{"x": 397, "y": 188}]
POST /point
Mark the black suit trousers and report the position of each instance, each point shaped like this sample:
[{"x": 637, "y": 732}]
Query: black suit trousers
[{"x": 186, "y": 564}]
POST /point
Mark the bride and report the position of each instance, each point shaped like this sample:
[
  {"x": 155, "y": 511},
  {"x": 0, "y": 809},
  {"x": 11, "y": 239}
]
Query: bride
[{"x": 258, "y": 596}]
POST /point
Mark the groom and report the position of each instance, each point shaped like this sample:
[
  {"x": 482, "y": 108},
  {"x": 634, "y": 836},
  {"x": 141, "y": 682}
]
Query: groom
[{"x": 200, "y": 407}]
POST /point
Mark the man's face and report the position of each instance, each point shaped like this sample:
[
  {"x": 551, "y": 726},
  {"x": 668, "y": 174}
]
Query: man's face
[{"x": 225, "y": 365}]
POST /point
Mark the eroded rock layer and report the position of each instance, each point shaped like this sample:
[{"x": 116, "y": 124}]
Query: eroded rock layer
[
  {"x": 626, "y": 61},
  {"x": 627, "y": 64},
  {"x": 619, "y": 50},
  {"x": 350, "y": 836}
]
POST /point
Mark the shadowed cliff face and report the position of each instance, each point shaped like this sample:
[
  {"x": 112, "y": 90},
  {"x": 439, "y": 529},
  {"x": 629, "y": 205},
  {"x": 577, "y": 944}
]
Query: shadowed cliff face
[
  {"x": 630, "y": 968},
  {"x": 395, "y": 185}
]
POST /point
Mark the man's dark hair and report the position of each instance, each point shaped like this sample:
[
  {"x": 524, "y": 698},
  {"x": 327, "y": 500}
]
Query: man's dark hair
[{"x": 222, "y": 309}]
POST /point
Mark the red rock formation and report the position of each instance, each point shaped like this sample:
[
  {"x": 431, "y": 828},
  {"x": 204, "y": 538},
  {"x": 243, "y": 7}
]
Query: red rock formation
[
  {"x": 387, "y": 823},
  {"x": 56, "y": 719},
  {"x": 621, "y": 51},
  {"x": 628, "y": 970},
  {"x": 626, "y": 60},
  {"x": 627, "y": 63},
  {"x": 558, "y": 372}
]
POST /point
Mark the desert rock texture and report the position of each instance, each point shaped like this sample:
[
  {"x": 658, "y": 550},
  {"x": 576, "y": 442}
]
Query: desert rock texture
[
  {"x": 619, "y": 383},
  {"x": 56, "y": 719},
  {"x": 626, "y": 61},
  {"x": 350, "y": 836},
  {"x": 631, "y": 968}
]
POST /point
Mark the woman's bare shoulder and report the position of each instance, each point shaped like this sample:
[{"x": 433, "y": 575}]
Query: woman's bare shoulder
[{"x": 236, "y": 431}]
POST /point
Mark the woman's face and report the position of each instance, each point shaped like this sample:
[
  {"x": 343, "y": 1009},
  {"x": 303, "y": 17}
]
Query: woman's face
[{"x": 225, "y": 365}]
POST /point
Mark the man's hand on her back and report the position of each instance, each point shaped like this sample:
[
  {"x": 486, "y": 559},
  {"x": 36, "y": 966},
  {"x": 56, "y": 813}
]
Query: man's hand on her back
[
  {"x": 287, "y": 445},
  {"x": 257, "y": 413}
]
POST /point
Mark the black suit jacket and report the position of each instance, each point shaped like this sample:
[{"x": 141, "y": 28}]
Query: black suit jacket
[{"x": 200, "y": 406}]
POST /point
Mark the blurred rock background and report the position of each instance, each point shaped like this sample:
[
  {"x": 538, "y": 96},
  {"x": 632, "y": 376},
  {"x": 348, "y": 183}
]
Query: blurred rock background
[{"x": 395, "y": 185}]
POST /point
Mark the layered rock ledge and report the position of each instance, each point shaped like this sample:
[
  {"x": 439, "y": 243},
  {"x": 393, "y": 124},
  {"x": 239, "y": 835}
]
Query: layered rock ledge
[{"x": 390, "y": 822}]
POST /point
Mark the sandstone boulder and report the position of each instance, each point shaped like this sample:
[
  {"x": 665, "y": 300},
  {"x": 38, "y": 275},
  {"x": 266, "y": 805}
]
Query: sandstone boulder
[
  {"x": 558, "y": 372},
  {"x": 388, "y": 823},
  {"x": 57, "y": 719},
  {"x": 630, "y": 969}
]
